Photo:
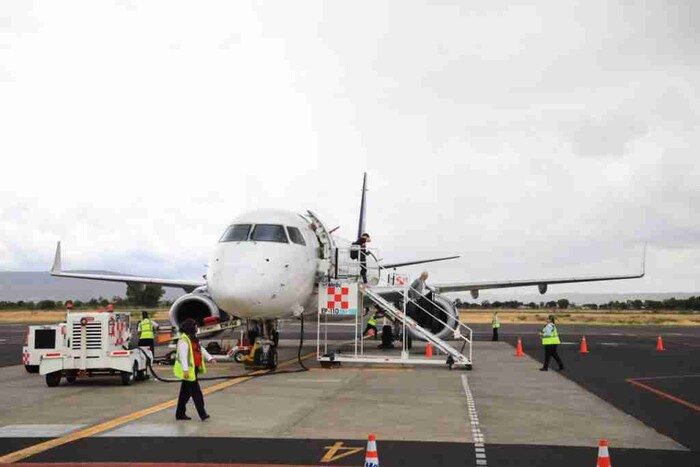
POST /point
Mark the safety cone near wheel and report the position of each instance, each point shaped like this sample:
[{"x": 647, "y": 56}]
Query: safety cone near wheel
[
  {"x": 429, "y": 350},
  {"x": 603, "y": 455},
  {"x": 519, "y": 349},
  {"x": 584, "y": 345},
  {"x": 372, "y": 457},
  {"x": 659, "y": 344}
]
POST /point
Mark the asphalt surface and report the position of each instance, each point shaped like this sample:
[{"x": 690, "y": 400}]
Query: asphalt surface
[
  {"x": 311, "y": 451},
  {"x": 617, "y": 355}
]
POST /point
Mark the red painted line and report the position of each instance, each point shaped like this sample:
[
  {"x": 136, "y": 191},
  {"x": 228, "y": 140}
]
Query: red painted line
[
  {"x": 666, "y": 377},
  {"x": 151, "y": 464},
  {"x": 664, "y": 394}
]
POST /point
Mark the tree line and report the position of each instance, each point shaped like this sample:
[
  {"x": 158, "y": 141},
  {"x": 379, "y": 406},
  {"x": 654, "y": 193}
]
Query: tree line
[
  {"x": 137, "y": 295},
  {"x": 680, "y": 304}
]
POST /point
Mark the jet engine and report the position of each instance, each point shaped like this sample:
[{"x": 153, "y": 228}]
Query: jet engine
[
  {"x": 197, "y": 305},
  {"x": 445, "y": 311}
]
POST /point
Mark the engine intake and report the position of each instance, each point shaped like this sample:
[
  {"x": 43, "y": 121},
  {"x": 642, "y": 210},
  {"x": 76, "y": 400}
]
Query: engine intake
[{"x": 194, "y": 305}]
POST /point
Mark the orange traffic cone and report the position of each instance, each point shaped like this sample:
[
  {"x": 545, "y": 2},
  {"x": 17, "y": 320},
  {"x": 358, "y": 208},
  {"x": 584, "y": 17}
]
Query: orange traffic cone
[
  {"x": 519, "y": 349},
  {"x": 372, "y": 457},
  {"x": 584, "y": 346},
  {"x": 603, "y": 456},
  {"x": 429, "y": 350},
  {"x": 659, "y": 344}
]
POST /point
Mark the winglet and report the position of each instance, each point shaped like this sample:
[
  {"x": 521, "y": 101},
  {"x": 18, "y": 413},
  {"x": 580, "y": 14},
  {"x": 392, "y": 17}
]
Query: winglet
[
  {"x": 644, "y": 260},
  {"x": 57, "y": 259},
  {"x": 363, "y": 211}
]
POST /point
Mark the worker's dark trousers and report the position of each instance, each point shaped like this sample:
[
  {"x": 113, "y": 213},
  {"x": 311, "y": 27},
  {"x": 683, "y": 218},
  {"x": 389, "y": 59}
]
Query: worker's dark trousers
[
  {"x": 148, "y": 343},
  {"x": 549, "y": 352},
  {"x": 190, "y": 389},
  {"x": 495, "y": 335}
]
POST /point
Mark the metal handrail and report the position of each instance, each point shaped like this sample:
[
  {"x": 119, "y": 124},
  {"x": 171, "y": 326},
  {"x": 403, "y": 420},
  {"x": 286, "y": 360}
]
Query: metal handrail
[{"x": 457, "y": 331}]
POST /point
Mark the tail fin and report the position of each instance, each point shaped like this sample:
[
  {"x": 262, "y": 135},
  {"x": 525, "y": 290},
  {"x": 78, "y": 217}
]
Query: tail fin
[{"x": 363, "y": 211}]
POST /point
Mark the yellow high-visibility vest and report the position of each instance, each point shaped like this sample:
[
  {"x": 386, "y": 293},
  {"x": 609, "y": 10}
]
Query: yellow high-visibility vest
[
  {"x": 177, "y": 368},
  {"x": 146, "y": 329},
  {"x": 553, "y": 338},
  {"x": 372, "y": 321},
  {"x": 495, "y": 322}
]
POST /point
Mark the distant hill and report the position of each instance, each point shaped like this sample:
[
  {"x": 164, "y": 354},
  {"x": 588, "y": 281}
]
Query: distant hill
[
  {"x": 26, "y": 285},
  {"x": 577, "y": 298}
]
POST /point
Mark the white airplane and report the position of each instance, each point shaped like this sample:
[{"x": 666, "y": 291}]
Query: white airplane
[{"x": 268, "y": 264}]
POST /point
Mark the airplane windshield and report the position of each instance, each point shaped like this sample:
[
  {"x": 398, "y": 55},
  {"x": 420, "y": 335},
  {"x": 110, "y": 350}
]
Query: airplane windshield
[
  {"x": 269, "y": 233},
  {"x": 236, "y": 233},
  {"x": 296, "y": 236}
]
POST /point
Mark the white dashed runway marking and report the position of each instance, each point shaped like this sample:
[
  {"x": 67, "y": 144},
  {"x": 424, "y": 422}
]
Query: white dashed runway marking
[{"x": 477, "y": 435}]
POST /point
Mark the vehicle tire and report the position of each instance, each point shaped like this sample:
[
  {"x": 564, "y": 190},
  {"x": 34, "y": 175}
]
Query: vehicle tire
[
  {"x": 239, "y": 355},
  {"x": 32, "y": 368},
  {"x": 128, "y": 378},
  {"x": 53, "y": 379},
  {"x": 141, "y": 375},
  {"x": 71, "y": 379}
]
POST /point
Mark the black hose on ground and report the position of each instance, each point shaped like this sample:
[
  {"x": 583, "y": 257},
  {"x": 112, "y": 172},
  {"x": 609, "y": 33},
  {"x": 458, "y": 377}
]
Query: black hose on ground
[{"x": 249, "y": 374}]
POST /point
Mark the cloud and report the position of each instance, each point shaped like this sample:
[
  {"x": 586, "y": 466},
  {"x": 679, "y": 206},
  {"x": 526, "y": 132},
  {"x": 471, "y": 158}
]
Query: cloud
[{"x": 536, "y": 141}]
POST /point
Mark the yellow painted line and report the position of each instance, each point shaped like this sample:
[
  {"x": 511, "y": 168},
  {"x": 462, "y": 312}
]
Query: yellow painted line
[{"x": 108, "y": 425}]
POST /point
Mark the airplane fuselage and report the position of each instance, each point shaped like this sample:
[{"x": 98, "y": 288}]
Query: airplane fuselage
[{"x": 264, "y": 266}]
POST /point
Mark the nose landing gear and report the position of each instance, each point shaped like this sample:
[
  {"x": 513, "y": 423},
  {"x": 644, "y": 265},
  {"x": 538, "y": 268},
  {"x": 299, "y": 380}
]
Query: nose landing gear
[{"x": 263, "y": 355}]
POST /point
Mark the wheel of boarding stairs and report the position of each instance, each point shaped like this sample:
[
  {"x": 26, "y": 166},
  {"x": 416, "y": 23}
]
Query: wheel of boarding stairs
[{"x": 71, "y": 378}]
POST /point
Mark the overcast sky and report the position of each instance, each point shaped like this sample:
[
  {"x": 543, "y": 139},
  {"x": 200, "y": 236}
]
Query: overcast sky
[{"x": 548, "y": 140}]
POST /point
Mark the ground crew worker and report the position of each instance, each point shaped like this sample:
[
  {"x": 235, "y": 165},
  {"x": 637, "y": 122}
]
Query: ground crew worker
[
  {"x": 191, "y": 360},
  {"x": 146, "y": 330},
  {"x": 550, "y": 342},
  {"x": 495, "y": 324},
  {"x": 372, "y": 325}
]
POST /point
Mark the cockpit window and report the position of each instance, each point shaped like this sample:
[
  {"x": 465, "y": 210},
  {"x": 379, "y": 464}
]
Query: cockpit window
[
  {"x": 269, "y": 233},
  {"x": 236, "y": 233},
  {"x": 296, "y": 236}
]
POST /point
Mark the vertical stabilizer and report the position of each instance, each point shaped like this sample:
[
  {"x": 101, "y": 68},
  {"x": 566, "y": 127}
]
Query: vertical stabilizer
[{"x": 363, "y": 210}]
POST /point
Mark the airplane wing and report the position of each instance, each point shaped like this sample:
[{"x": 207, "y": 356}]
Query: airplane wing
[
  {"x": 419, "y": 261},
  {"x": 541, "y": 284},
  {"x": 186, "y": 285}
]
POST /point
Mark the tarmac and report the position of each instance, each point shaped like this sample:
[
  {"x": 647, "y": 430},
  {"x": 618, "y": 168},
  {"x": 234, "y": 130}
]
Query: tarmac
[{"x": 504, "y": 410}]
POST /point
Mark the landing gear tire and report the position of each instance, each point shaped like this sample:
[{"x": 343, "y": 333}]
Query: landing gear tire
[
  {"x": 53, "y": 379},
  {"x": 272, "y": 365},
  {"x": 266, "y": 360},
  {"x": 128, "y": 378},
  {"x": 32, "y": 368}
]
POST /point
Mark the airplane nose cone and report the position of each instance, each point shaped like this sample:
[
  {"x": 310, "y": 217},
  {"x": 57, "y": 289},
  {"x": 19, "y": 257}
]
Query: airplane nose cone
[{"x": 247, "y": 291}]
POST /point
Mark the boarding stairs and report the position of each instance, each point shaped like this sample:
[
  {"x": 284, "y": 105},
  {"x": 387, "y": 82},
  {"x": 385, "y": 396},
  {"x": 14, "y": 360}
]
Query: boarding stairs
[{"x": 461, "y": 332}]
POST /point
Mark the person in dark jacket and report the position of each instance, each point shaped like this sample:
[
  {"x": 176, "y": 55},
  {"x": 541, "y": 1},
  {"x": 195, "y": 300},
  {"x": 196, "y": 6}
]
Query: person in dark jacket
[{"x": 362, "y": 254}]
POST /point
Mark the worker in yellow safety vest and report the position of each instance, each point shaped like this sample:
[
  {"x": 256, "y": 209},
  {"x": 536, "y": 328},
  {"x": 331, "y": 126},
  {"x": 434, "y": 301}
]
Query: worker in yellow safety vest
[
  {"x": 371, "y": 326},
  {"x": 191, "y": 360},
  {"x": 495, "y": 324},
  {"x": 550, "y": 342},
  {"x": 147, "y": 328}
]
